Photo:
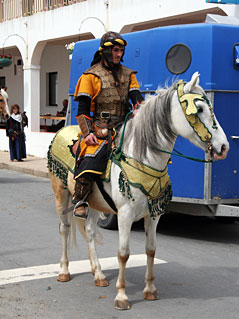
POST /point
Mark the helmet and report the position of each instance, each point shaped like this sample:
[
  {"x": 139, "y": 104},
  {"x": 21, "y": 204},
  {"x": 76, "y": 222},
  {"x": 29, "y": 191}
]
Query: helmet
[{"x": 110, "y": 39}]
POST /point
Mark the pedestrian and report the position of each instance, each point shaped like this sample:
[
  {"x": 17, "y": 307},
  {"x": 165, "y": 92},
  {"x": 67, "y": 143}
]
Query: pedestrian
[
  {"x": 103, "y": 90},
  {"x": 15, "y": 131}
]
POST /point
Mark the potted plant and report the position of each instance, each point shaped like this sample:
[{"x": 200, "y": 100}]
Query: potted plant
[
  {"x": 5, "y": 60},
  {"x": 70, "y": 48}
]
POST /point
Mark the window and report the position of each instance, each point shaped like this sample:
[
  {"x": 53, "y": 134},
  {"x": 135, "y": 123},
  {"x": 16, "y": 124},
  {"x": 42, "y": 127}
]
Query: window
[
  {"x": 53, "y": 88},
  {"x": 178, "y": 58},
  {"x": 2, "y": 82}
]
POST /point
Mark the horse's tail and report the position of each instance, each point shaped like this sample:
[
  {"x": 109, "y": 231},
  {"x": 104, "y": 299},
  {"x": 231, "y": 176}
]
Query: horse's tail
[{"x": 80, "y": 223}]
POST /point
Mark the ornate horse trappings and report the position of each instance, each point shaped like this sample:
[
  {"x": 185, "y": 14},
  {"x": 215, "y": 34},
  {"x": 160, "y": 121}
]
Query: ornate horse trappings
[{"x": 145, "y": 143}]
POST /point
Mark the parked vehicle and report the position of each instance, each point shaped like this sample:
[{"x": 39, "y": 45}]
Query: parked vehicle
[{"x": 163, "y": 55}]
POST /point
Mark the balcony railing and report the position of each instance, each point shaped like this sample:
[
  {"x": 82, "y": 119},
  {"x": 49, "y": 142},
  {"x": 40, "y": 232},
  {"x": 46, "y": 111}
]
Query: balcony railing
[{"x": 12, "y": 9}]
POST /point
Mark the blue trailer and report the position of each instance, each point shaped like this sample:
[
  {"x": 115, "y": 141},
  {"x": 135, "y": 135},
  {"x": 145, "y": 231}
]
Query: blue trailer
[{"x": 163, "y": 55}]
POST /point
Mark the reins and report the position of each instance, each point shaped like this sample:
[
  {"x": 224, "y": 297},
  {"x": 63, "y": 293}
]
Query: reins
[
  {"x": 186, "y": 103},
  {"x": 184, "y": 156},
  {"x": 118, "y": 151}
]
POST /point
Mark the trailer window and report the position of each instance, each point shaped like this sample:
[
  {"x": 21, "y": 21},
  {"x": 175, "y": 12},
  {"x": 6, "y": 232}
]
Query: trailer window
[{"x": 178, "y": 58}]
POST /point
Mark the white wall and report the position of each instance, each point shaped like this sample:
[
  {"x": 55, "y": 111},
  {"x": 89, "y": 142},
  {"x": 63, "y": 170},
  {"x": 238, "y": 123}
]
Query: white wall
[
  {"x": 34, "y": 31},
  {"x": 54, "y": 59},
  {"x": 14, "y": 83}
]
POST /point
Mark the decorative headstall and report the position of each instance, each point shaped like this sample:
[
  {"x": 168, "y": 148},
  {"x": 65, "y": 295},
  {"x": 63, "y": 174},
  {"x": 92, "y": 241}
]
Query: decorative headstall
[{"x": 190, "y": 110}]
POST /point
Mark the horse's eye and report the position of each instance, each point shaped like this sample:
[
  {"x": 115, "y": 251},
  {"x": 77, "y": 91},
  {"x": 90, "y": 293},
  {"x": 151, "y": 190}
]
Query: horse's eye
[{"x": 200, "y": 109}]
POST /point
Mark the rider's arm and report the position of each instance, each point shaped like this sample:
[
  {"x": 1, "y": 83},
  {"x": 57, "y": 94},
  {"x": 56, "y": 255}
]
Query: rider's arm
[
  {"x": 87, "y": 89},
  {"x": 134, "y": 91}
]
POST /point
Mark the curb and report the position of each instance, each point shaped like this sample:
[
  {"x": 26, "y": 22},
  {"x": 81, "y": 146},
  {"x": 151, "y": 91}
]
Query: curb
[{"x": 25, "y": 170}]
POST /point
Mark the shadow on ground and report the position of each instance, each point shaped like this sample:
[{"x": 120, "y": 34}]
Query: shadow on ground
[{"x": 220, "y": 229}]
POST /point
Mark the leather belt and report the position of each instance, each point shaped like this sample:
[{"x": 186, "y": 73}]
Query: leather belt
[{"x": 106, "y": 116}]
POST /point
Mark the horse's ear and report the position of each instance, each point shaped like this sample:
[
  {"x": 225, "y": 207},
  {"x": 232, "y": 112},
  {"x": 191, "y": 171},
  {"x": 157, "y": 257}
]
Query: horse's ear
[{"x": 193, "y": 82}]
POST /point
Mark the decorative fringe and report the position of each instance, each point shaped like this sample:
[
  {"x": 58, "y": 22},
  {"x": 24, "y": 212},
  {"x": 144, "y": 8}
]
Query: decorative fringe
[
  {"x": 56, "y": 168},
  {"x": 157, "y": 206},
  {"x": 124, "y": 187}
]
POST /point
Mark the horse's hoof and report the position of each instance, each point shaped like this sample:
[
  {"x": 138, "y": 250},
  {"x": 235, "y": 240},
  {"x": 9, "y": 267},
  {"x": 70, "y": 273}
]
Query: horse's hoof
[
  {"x": 101, "y": 283},
  {"x": 64, "y": 277},
  {"x": 122, "y": 305},
  {"x": 151, "y": 295}
]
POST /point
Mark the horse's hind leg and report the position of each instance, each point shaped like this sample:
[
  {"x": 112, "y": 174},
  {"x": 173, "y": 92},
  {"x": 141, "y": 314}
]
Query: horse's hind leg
[
  {"x": 150, "y": 225},
  {"x": 91, "y": 224},
  {"x": 63, "y": 198}
]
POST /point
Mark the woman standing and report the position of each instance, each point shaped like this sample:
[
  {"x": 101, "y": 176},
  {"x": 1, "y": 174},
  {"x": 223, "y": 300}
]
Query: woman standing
[{"x": 15, "y": 131}]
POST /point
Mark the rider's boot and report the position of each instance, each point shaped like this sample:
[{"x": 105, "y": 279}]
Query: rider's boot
[{"x": 83, "y": 188}]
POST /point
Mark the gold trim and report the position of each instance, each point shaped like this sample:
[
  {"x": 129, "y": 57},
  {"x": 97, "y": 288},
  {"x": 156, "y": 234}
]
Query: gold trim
[
  {"x": 88, "y": 171},
  {"x": 190, "y": 111},
  {"x": 120, "y": 41},
  {"x": 60, "y": 149}
]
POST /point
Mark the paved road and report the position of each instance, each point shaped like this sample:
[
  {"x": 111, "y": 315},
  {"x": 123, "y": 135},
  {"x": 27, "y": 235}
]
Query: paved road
[{"x": 198, "y": 280}]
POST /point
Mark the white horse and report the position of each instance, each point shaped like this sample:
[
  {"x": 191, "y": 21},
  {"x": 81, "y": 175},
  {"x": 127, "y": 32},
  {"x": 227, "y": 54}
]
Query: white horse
[
  {"x": 149, "y": 138},
  {"x": 4, "y": 110}
]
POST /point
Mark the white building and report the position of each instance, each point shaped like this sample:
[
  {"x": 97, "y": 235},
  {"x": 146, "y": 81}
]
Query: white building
[{"x": 35, "y": 33}]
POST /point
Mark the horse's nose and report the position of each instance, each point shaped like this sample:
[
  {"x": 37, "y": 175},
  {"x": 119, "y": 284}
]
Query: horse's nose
[
  {"x": 223, "y": 149},
  {"x": 223, "y": 153}
]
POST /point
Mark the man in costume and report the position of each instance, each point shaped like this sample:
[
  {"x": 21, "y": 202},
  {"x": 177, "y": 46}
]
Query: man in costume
[{"x": 103, "y": 90}]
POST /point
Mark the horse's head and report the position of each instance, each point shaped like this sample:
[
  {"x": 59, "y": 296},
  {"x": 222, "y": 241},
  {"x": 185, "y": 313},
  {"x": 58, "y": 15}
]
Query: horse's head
[
  {"x": 194, "y": 119},
  {"x": 4, "y": 103}
]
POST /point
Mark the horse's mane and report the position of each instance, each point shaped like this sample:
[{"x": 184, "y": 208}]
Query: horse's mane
[{"x": 154, "y": 114}]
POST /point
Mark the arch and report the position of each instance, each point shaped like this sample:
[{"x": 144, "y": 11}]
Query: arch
[
  {"x": 37, "y": 52},
  {"x": 16, "y": 40}
]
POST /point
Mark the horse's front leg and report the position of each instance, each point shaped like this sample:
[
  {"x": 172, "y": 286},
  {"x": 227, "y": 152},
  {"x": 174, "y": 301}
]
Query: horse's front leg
[
  {"x": 63, "y": 198},
  {"x": 91, "y": 229},
  {"x": 150, "y": 225},
  {"x": 124, "y": 223}
]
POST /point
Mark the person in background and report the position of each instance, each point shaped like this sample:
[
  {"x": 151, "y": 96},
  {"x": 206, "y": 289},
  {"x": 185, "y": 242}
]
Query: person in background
[
  {"x": 63, "y": 112},
  {"x": 104, "y": 90},
  {"x": 64, "y": 109},
  {"x": 15, "y": 131}
]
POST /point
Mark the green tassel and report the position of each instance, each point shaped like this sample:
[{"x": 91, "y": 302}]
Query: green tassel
[
  {"x": 56, "y": 168},
  {"x": 124, "y": 187},
  {"x": 157, "y": 206}
]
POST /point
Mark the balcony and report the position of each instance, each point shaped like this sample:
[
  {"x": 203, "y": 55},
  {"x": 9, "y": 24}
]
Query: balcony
[{"x": 12, "y": 9}]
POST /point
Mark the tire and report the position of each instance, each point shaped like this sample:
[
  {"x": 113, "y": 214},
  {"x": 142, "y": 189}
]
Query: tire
[
  {"x": 110, "y": 222},
  {"x": 227, "y": 219}
]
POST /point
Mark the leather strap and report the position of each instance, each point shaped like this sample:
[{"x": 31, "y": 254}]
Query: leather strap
[{"x": 83, "y": 125}]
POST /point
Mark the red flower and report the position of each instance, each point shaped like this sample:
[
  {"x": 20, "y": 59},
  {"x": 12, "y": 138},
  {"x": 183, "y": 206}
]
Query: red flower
[{"x": 5, "y": 56}]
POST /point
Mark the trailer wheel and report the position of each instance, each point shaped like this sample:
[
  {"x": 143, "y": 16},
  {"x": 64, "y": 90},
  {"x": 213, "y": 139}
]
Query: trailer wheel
[{"x": 108, "y": 221}]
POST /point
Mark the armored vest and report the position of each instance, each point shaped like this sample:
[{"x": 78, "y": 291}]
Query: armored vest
[{"x": 112, "y": 99}]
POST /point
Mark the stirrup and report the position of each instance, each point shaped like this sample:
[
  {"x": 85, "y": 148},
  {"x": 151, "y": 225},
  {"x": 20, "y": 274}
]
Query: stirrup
[{"x": 86, "y": 206}]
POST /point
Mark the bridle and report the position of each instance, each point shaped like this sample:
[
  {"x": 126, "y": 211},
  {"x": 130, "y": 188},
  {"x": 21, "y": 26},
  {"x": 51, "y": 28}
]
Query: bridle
[{"x": 190, "y": 110}]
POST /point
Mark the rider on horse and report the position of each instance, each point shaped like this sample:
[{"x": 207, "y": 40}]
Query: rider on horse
[{"x": 103, "y": 90}]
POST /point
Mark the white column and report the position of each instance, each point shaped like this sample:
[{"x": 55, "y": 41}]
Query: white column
[{"x": 32, "y": 96}]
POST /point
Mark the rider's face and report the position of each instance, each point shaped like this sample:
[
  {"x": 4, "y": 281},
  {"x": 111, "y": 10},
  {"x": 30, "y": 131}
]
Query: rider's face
[{"x": 117, "y": 53}]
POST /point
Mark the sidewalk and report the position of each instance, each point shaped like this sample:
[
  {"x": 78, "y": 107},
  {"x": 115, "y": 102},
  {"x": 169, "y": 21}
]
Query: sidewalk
[{"x": 31, "y": 165}]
